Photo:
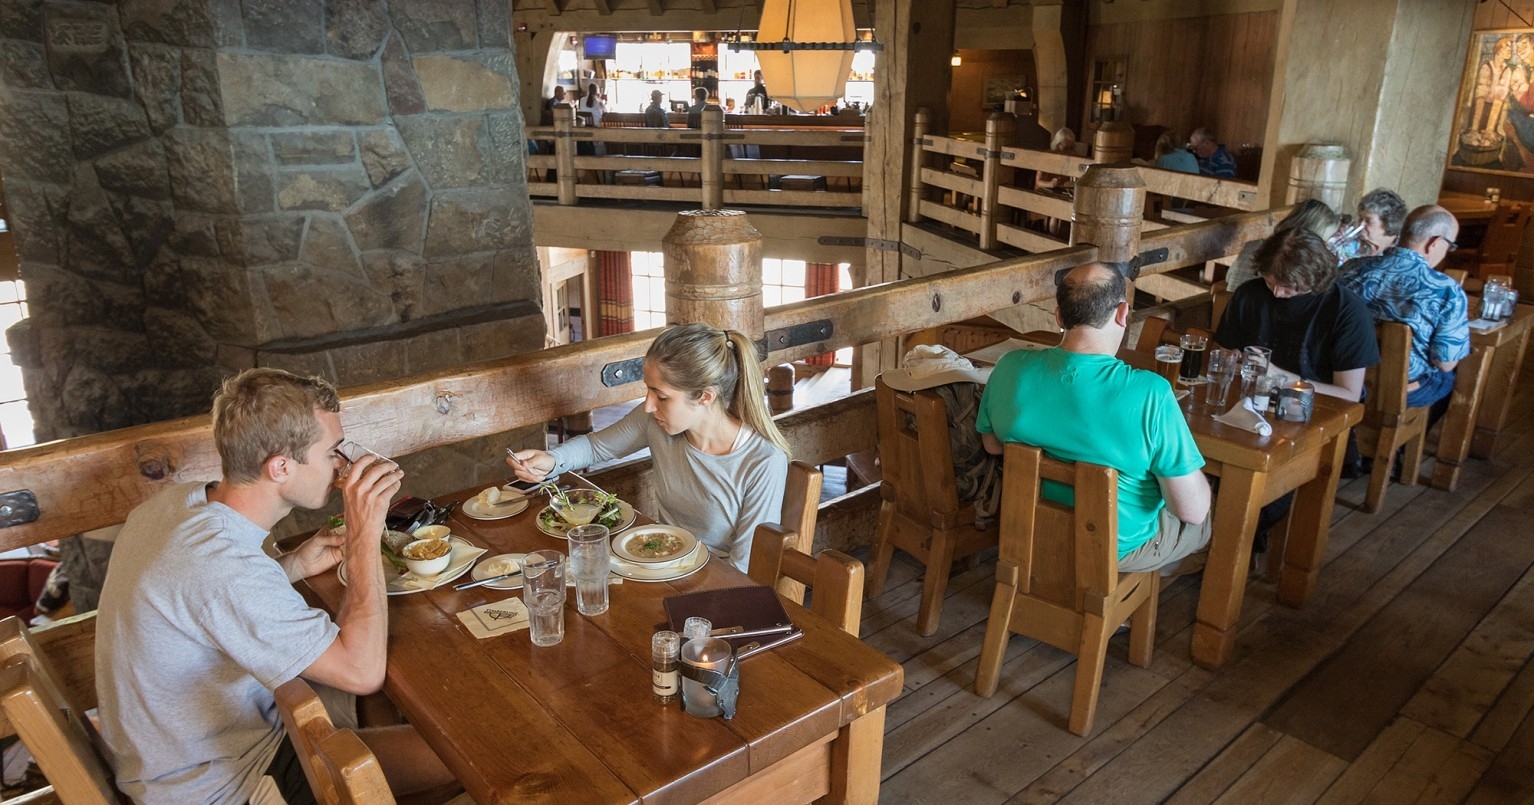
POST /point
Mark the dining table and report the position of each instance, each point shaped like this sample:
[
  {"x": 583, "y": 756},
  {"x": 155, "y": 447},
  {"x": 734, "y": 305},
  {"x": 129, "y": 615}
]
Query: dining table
[
  {"x": 575, "y": 722},
  {"x": 1254, "y": 470},
  {"x": 1483, "y": 394}
]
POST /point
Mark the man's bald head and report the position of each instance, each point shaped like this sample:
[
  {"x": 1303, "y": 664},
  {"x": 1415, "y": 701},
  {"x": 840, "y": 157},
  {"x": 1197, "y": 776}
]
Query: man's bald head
[
  {"x": 1088, "y": 295},
  {"x": 1430, "y": 230}
]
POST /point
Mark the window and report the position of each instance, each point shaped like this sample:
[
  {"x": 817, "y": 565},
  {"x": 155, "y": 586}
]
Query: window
[
  {"x": 15, "y": 419},
  {"x": 782, "y": 281},
  {"x": 649, "y": 277}
]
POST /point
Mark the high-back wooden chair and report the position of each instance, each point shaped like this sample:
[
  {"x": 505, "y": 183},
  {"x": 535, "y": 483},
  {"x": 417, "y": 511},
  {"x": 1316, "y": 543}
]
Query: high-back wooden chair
[
  {"x": 1388, "y": 424},
  {"x": 801, "y": 508},
  {"x": 1057, "y": 580},
  {"x": 835, "y": 579},
  {"x": 1457, "y": 274},
  {"x": 339, "y": 770},
  {"x": 1156, "y": 331},
  {"x": 35, "y": 705},
  {"x": 920, "y": 512},
  {"x": 1504, "y": 235},
  {"x": 1219, "y": 299}
]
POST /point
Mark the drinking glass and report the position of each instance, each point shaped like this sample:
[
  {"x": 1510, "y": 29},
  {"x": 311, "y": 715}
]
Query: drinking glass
[
  {"x": 1264, "y": 390},
  {"x": 1168, "y": 362},
  {"x": 1260, "y": 357},
  {"x": 1222, "y": 370},
  {"x": 1193, "y": 346},
  {"x": 543, "y": 590},
  {"x": 589, "y": 558}
]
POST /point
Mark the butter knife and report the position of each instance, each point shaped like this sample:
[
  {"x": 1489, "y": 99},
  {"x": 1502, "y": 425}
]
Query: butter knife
[{"x": 490, "y": 580}]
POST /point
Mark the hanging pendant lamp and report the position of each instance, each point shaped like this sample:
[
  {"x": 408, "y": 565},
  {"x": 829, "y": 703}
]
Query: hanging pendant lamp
[{"x": 805, "y": 49}]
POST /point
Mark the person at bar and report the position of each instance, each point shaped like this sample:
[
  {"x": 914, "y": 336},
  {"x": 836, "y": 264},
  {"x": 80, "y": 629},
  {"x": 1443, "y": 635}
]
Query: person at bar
[
  {"x": 655, "y": 113},
  {"x": 197, "y": 625},
  {"x": 720, "y": 463},
  {"x": 1079, "y": 402},
  {"x": 1402, "y": 285},
  {"x": 757, "y": 95}
]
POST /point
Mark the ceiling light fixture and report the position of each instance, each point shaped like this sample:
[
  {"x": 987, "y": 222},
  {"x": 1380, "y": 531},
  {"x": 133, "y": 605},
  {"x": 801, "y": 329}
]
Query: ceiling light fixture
[{"x": 804, "y": 74}]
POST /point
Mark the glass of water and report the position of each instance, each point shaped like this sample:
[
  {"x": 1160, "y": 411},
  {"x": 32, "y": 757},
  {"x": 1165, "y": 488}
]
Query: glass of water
[
  {"x": 543, "y": 591},
  {"x": 589, "y": 561},
  {"x": 1222, "y": 370}
]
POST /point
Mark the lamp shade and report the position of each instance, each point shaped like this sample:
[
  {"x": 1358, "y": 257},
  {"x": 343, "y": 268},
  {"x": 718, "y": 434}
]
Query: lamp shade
[{"x": 806, "y": 79}]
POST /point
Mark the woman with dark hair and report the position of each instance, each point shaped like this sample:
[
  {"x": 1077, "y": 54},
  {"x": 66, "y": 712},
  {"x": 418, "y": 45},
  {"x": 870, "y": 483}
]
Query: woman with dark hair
[
  {"x": 591, "y": 106},
  {"x": 720, "y": 461}
]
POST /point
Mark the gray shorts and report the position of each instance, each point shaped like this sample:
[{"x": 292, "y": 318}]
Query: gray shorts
[{"x": 1174, "y": 541}]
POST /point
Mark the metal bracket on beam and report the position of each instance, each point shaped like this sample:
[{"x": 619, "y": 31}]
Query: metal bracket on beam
[
  {"x": 573, "y": 134},
  {"x": 620, "y": 373},
  {"x": 986, "y": 153},
  {"x": 871, "y": 243},
  {"x": 856, "y": 138},
  {"x": 798, "y": 335},
  {"x": 18, "y": 507},
  {"x": 1149, "y": 258},
  {"x": 1247, "y": 196},
  {"x": 921, "y": 141}
]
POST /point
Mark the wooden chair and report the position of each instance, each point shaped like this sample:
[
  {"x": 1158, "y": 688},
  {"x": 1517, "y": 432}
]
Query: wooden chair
[
  {"x": 1057, "y": 580},
  {"x": 920, "y": 512},
  {"x": 1499, "y": 248},
  {"x": 1219, "y": 298},
  {"x": 1388, "y": 424},
  {"x": 35, "y": 706},
  {"x": 340, "y": 770},
  {"x": 835, "y": 578},
  {"x": 801, "y": 508},
  {"x": 1156, "y": 331},
  {"x": 1457, "y": 274}
]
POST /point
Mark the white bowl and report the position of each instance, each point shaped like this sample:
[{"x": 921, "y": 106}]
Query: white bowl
[
  {"x": 629, "y": 544},
  {"x": 426, "y": 567},
  {"x": 431, "y": 532}
]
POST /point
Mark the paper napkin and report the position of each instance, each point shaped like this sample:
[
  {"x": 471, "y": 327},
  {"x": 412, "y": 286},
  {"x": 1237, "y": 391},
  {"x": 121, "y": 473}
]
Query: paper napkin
[
  {"x": 495, "y": 618},
  {"x": 1242, "y": 416}
]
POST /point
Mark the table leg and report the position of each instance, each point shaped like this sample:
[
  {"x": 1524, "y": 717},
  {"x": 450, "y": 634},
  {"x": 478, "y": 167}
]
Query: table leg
[
  {"x": 1230, "y": 554},
  {"x": 1501, "y": 379},
  {"x": 855, "y": 760},
  {"x": 1310, "y": 524},
  {"x": 1458, "y": 421}
]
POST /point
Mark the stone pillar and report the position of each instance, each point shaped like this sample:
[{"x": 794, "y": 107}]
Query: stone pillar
[
  {"x": 714, "y": 271},
  {"x": 1320, "y": 171},
  {"x": 1109, "y": 208}
]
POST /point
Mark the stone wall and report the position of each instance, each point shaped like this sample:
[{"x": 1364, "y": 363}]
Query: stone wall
[{"x": 198, "y": 186}]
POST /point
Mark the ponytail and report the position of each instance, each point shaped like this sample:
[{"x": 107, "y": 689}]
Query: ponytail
[{"x": 751, "y": 392}]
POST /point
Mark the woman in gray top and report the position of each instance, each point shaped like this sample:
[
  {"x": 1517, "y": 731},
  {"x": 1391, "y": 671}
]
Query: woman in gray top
[{"x": 720, "y": 463}]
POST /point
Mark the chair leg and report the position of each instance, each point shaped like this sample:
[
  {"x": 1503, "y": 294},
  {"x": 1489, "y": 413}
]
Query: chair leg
[
  {"x": 1089, "y": 673},
  {"x": 997, "y": 631},
  {"x": 1142, "y": 625},
  {"x": 1411, "y": 458},
  {"x": 1379, "y": 477},
  {"x": 883, "y": 552},
  {"x": 935, "y": 584}
]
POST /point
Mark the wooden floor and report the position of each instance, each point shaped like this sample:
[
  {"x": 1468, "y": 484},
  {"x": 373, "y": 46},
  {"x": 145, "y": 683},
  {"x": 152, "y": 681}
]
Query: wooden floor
[{"x": 1407, "y": 677}]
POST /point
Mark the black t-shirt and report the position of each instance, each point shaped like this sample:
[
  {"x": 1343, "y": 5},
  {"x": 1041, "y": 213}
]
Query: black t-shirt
[{"x": 1315, "y": 334}]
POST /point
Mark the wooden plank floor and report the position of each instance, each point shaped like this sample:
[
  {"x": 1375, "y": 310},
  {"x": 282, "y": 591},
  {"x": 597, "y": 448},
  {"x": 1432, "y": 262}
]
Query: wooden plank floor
[{"x": 1406, "y": 678}]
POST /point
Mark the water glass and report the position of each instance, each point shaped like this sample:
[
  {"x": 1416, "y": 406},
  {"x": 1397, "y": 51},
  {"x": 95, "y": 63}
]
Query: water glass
[
  {"x": 1222, "y": 370},
  {"x": 1260, "y": 357},
  {"x": 543, "y": 591},
  {"x": 589, "y": 565}
]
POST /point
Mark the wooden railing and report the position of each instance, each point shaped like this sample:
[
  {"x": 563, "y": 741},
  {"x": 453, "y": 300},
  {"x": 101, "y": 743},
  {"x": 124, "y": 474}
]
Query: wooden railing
[
  {"x": 968, "y": 185},
  {"x": 711, "y": 167},
  {"x": 94, "y": 481}
]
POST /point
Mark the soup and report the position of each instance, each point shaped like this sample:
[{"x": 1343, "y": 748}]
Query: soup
[{"x": 654, "y": 545}]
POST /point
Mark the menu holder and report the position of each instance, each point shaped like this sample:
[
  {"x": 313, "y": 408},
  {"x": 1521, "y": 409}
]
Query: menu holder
[{"x": 753, "y": 608}]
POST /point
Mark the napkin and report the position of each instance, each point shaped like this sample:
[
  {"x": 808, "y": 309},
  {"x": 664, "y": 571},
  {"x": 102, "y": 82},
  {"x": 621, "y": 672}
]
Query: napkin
[
  {"x": 495, "y": 618},
  {"x": 1242, "y": 416}
]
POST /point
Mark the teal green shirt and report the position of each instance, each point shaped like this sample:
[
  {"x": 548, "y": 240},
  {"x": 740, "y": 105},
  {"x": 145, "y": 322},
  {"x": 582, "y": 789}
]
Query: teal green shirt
[{"x": 1098, "y": 409}]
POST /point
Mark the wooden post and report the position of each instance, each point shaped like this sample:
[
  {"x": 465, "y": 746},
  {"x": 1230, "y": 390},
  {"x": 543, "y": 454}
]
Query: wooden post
[
  {"x": 713, "y": 157},
  {"x": 1113, "y": 142},
  {"x": 918, "y": 159},
  {"x": 714, "y": 271},
  {"x": 564, "y": 151},
  {"x": 1319, "y": 171},
  {"x": 1109, "y": 208},
  {"x": 998, "y": 132}
]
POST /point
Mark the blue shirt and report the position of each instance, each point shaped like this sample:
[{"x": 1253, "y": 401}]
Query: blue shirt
[
  {"x": 1180, "y": 159},
  {"x": 1399, "y": 285},
  {"x": 1220, "y": 164},
  {"x": 1098, "y": 409}
]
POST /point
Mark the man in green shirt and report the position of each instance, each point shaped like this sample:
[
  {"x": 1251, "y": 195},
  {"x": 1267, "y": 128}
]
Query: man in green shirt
[{"x": 1079, "y": 402}]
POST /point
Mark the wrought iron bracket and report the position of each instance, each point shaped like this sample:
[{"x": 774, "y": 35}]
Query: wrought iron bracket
[
  {"x": 18, "y": 507},
  {"x": 797, "y": 335},
  {"x": 619, "y": 373}
]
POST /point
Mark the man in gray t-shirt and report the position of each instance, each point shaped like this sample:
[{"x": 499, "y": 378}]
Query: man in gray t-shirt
[{"x": 197, "y": 625}]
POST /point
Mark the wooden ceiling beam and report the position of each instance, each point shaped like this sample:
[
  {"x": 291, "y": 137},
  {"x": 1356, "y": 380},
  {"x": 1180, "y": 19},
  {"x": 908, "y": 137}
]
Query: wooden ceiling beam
[
  {"x": 556, "y": 7},
  {"x": 604, "y": 8},
  {"x": 710, "y": 6},
  {"x": 657, "y": 7}
]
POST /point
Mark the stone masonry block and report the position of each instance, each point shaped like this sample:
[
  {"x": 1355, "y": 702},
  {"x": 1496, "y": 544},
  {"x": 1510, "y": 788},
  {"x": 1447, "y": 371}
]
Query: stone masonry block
[
  {"x": 500, "y": 339},
  {"x": 331, "y": 190},
  {"x": 86, "y": 51},
  {"x": 392, "y": 217},
  {"x": 326, "y": 147},
  {"x": 138, "y": 169},
  {"x": 431, "y": 25},
  {"x": 383, "y": 155},
  {"x": 187, "y": 23},
  {"x": 257, "y": 241},
  {"x": 272, "y": 90},
  {"x": 494, "y": 23},
  {"x": 308, "y": 302},
  {"x": 284, "y": 26},
  {"x": 157, "y": 83},
  {"x": 354, "y": 29},
  {"x": 34, "y": 132},
  {"x": 400, "y": 82},
  {"x": 201, "y": 103},
  {"x": 23, "y": 65},
  {"x": 98, "y": 124},
  {"x": 447, "y": 150},
  {"x": 472, "y": 221},
  {"x": 328, "y": 246},
  {"x": 467, "y": 84},
  {"x": 400, "y": 275},
  {"x": 178, "y": 340},
  {"x": 201, "y": 170}
]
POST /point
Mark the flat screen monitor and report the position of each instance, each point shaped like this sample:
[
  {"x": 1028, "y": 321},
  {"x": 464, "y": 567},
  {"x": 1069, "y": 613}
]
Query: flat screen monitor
[{"x": 601, "y": 47}]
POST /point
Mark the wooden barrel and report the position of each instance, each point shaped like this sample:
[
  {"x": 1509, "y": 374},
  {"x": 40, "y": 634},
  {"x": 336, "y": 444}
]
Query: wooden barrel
[
  {"x": 1114, "y": 142},
  {"x": 1319, "y": 171},
  {"x": 714, "y": 271},
  {"x": 1109, "y": 205},
  {"x": 780, "y": 388}
]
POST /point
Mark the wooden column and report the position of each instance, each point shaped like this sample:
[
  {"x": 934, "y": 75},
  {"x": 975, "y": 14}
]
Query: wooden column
[
  {"x": 713, "y": 157},
  {"x": 1113, "y": 142},
  {"x": 1109, "y": 208},
  {"x": 714, "y": 271},
  {"x": 998, "y": 132},
  {"x": 564, "y": 151},
  {"x": 919, "y": 129},
  {"x": 1320, "y": 171}
]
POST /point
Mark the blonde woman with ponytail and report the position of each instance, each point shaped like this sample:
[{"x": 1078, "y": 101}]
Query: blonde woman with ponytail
[{"x": 720, "y": 462}]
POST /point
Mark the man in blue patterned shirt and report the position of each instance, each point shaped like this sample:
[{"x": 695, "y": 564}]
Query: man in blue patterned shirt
[
  {"x": 1213, "y": 159},
  {"x": 1402, "y": 285}
]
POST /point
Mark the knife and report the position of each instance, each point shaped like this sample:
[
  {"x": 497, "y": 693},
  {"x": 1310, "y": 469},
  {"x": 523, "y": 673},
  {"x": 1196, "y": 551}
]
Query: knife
[
  {"x": 741, "y": 631},
  {"x": 490, "y": 580}
]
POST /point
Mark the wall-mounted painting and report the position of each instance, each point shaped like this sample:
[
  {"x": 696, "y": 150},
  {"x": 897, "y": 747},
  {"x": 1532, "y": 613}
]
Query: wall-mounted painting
[{"x": 1494, "y": 121}]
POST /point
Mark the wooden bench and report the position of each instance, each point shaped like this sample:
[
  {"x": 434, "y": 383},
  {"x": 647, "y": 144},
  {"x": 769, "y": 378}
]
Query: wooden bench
[{"x": 803, "y": 182}]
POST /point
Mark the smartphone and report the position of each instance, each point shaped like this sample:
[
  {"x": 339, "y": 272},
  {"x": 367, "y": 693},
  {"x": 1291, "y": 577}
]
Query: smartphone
[{"x": 525, "y": 487}]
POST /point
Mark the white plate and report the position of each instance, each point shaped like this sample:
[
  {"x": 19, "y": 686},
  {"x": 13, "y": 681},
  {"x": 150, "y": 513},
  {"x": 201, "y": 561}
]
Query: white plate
[
  {"x": 625, "y": 512},
  {"x": 621, "y": 543},
  {"x": 472, "y": 508},
  {"x": 692, "y": 564},
  {"x": 400, "y": 582},
  {"x": 482, "y": 571}
]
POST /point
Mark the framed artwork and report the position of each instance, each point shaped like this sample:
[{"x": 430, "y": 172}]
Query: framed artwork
[
  {"x": 1494, "y": 117},
  {"x": 998, "y": 88}
]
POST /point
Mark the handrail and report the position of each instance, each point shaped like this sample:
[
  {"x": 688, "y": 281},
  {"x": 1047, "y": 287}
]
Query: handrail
[{"x": 94, "y": 481}]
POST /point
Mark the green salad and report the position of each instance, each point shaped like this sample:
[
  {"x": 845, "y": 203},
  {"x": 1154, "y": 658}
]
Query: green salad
[{"x": 610, "y": 515}]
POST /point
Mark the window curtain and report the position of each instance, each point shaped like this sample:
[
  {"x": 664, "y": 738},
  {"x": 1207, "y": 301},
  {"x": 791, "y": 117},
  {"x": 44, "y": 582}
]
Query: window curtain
[
  {"x": 819, "y": 280},
  {"x": 615, "y": 293}
]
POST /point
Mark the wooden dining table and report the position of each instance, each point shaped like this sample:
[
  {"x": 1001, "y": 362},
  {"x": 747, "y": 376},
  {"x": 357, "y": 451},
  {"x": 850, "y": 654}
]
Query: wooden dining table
[
  {"x": 1300, "y": 457},
  {"x": 1483, "y": 394},
  {"x": 575, "y": 722}
]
